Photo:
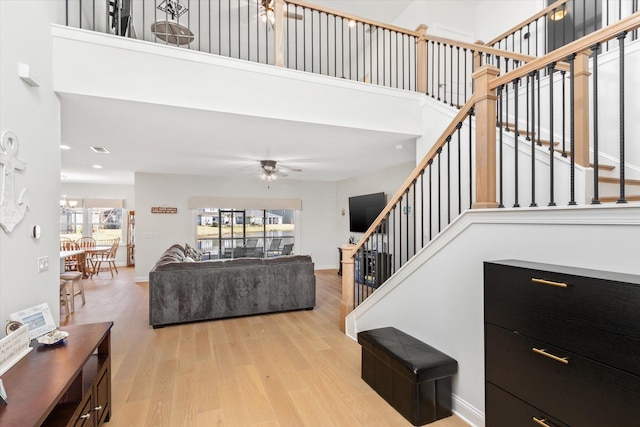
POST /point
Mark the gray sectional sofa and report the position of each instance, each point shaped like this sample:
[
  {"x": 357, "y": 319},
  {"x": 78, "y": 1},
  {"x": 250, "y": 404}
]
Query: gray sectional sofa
[{"x": 184, "y": 290}]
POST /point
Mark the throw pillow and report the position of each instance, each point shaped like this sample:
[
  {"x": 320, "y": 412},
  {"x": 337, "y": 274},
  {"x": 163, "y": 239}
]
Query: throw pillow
[{"x": 192, "y": 252}]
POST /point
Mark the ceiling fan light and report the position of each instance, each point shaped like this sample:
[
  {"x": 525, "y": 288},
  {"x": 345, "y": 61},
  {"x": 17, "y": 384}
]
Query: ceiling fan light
[
  {"x": 558, "y": 14},
  {"x": 270, "y": 14}
]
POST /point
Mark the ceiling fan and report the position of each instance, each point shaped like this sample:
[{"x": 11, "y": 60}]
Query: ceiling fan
[
  {"x": 269, "y": 170},
  {"x": 265, "y": 10}
]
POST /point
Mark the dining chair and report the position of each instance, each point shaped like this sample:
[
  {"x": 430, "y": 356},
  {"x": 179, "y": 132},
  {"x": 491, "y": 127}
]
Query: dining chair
[
  {"x": 70, "y": 263},
  {"x": 109, "y": 257}
]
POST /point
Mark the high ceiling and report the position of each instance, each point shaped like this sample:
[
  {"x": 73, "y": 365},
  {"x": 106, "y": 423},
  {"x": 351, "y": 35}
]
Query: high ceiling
[{"x": 161, "y": 139}]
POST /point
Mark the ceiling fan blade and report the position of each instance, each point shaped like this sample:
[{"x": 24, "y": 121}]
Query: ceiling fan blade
[{"x": 288, "y": 168}]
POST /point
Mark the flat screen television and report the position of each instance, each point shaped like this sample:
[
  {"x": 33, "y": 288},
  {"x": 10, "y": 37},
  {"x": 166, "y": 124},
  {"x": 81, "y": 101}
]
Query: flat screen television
[{"x": 363, "y": 210}]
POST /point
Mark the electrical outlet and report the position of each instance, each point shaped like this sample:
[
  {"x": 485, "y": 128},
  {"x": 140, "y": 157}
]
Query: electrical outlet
[{"x": 43, "y": 264}]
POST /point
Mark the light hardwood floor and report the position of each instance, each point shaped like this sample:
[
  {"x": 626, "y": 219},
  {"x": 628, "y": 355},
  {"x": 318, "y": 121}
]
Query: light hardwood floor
[{"x": 288, "y": 369}]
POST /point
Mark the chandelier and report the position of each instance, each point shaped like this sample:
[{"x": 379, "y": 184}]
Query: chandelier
[{"x": 66, "y": 205}]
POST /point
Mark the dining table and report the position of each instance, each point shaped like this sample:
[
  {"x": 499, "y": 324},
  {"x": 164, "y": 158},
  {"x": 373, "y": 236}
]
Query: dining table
[{"x": 66, "y": 254}]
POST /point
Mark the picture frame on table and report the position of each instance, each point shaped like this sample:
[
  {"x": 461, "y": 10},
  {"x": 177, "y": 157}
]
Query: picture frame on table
[{"x": 38, "y": 318}]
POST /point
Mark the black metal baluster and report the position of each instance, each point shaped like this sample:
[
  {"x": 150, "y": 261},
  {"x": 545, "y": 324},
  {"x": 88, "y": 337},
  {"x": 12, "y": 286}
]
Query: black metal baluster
[
  {"x": 572, "y": 133},
  {"x": 621, "y": 38},
  {"x": 465, "y": 73},
  {"x": 439, "y": 189},
  {"x": 596, "y": 153},
  {"x": 470, "y": 159},
  {"x": 500, "y": 146},
  {"x": 433, "y": 53},
  {"x": 516, "y": 83},
  {"x": 458, "y": 88},
  {"x": 430, "y": 166},
  {"x": 539, "y": 103},
  {"x": 400, "y": 231},
  {"x": 506, "y": 97},
  {"x": 422, "y": 208},
  {"x": 451, "y": 75},
  {"x": 552, "y": 201},
  {"x": 533, "y": 142},
  {"x": 528, "y": 132},
  {"x": 448, "y": 139},
  {"x": 413, "y": 207},
  {"x": 438, "y": 98},
  {"x": 397, "y": 78},
  {"x": 459, "y": 127},
  {"x": 406, "y": 214},
  {"x": 564, "y": 113}
]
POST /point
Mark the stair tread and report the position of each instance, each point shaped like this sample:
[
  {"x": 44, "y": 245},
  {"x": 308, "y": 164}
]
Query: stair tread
[
  {"x": 603, "y": 166},
  {"x": 614, "y": 180}
]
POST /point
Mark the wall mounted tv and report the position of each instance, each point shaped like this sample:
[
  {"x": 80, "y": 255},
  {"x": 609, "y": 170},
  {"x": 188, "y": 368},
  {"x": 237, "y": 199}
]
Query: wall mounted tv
[{"x": 363, "y": 210}]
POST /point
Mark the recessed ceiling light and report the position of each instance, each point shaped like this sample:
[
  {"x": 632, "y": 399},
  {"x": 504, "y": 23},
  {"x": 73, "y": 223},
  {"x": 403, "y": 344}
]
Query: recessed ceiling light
[
  {"x": 65, "y": 147},
  {"x": 100, "y": 150},
  {"x": 97, "y": 167},
  {"x": 399, "y": 147}
]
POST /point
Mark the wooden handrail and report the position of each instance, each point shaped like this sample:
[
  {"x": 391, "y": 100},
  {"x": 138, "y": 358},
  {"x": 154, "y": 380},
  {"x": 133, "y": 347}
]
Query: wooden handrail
[
  {"x": 490, "y": 50},
  {"x": 540, "y": 14},
  {"x": 585, "y": 43},
  {"x": 442, "y": 140},
  {"x": 353, "y": 17},
  {"x": 482, "y": 48}
]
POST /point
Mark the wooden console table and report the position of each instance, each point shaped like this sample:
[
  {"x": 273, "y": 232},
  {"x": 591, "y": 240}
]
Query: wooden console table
[{"x": 67, "y": 384}]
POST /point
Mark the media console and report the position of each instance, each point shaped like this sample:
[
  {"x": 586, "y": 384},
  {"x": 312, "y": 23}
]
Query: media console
[{"x": 63, "y": 385}]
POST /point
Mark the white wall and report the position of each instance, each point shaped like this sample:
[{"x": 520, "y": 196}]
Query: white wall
[
  {"x": 476, "y": 19},
  {"x": 33, "y": 114},
  {"x": 156, "y": 232},
  {"x": 105, "y": 191},
  {"x": 438, "y": 296}
]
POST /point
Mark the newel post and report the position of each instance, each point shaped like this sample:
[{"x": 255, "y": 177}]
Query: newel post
[
  {"x": 348, "y": 285},
  {"x": 485, "y": 112},
  {"x": 421, "y": 59},
  {"x": 581, "y": 108},
  {"x": 278, "y": 29}
]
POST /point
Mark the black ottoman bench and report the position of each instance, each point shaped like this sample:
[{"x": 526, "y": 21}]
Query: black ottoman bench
[{"x": 412, "y": 376}]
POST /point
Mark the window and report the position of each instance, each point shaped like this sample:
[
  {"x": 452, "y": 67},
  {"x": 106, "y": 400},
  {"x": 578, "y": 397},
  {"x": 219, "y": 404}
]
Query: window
[
  {"x": 106, "y": 223},
  {"x": 71, "y": 220},
  {"x": 234, "y": 233}
]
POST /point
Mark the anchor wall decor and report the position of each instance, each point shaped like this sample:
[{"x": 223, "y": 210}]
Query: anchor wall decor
[{"x": 12, "y": 211}]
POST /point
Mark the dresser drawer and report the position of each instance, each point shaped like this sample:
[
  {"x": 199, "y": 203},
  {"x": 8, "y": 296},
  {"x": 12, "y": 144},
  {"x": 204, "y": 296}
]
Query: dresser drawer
[
  {"x": 559, "y": 306},
  {"x": 581, "y": 392},
  {"x": 504, "y": 410}
]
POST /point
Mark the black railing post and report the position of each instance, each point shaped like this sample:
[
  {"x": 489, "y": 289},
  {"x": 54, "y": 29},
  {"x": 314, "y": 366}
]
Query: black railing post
[{"x": 621, "y": 37}]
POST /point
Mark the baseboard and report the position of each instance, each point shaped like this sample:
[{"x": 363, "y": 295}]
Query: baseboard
[{"x": 467, "y": 412}]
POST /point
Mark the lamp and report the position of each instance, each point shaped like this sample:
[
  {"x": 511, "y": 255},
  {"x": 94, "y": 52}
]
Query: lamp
[{"x": 558, "y": 14}]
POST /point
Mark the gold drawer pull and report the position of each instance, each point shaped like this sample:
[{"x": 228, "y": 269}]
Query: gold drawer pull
[
  {"x": 543, "y": 352},
  {"x": 541, "y": 422},
  {"x": 550, "y": 283}
]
